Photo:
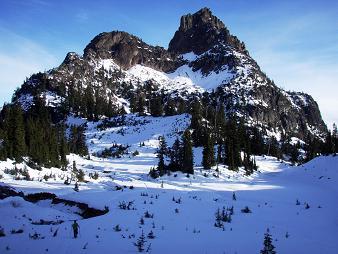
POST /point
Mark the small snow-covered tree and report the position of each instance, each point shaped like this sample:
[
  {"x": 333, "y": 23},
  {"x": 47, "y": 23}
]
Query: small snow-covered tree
[
  {"x": 140, "y": 242},
  {"x": 268, "y": 246},
  {"x": 151, "y": 235}
]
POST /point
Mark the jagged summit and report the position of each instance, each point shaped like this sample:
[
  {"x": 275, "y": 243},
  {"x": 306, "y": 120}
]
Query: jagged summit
[
  {"x": 70, "y": 57},
  {"x": 197, "y": 33},
  {"x": 128, "y": 50},
  {"x": 200, "y": 31},
  {"x": 200, "y": 18}
]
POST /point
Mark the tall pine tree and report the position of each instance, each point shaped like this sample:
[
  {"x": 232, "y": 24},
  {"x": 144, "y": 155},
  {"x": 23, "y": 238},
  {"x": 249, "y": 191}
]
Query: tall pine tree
[
  {"x": 208, "y": 159},
  {"x": 161, "y": 153},
  {"x": 17, "y": 131},
  {"x": 187, "y": 160}
]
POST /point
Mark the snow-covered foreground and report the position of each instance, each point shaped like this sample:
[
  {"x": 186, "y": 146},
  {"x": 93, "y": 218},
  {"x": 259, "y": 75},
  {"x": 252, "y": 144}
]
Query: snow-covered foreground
[{"x": 183, "y": 208}]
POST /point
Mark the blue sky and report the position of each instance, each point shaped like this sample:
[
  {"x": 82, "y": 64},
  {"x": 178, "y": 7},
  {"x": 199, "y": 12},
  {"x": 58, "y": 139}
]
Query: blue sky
[{"x": 294, "y": 42}]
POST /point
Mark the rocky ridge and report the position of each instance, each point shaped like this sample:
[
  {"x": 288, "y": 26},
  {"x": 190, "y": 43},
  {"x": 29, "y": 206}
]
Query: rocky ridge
[{"x": 202, "y": 56}]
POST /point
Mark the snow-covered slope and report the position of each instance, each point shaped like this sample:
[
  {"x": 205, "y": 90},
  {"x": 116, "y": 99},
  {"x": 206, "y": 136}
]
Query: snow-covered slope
[
  {"x": 183, "y": 208},
  {"x": 167, "y": 83}
]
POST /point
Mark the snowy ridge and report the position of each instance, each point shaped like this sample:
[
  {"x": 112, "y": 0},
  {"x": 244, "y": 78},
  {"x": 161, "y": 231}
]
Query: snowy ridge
[{"x": 167, "y": 83}]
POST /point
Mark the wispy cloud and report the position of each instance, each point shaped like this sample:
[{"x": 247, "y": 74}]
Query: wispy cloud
[
  {"x": 82, "y": 16},
  {"x": 19, "y": 58},
  {"x": 32, "y": 3}
]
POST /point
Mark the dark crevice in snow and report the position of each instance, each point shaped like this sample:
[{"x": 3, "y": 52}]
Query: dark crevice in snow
[{"x": 82, "y": 209}]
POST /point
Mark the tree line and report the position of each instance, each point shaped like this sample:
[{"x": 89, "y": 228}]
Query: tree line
[
  {"x": 179, "y": 157},
  {"x": 35, "y": 135},
  {"x": 227, "y": 140}
]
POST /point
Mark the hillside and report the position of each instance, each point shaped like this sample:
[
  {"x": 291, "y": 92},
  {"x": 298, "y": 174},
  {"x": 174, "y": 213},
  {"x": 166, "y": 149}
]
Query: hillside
[{"x": 270, "y": 193}]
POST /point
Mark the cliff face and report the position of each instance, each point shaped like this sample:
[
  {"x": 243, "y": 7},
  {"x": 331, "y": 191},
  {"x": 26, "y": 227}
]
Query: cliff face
[
  {"x": 128, "y": 50},
  {"x": 200, "y": 32},
  {"x": 202, "y": 57}
]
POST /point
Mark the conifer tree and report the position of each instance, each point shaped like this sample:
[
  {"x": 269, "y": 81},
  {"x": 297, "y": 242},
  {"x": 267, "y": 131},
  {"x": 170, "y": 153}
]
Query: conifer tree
[
  {"x": 161, "y": 152},
  {"x": 196, "y": 123},
  {"x": 195, "y": 115},
  {"x": 140, "y": 243},
  {"x": 170, "y": 108},
  {"x": 110, "y": 108},
  {"x": 208, "y": 159},
  {"x": 187, "y": 160},
  {"x": 2, "y": 144},
  {"x": 17, "y": 130},
  {"x": 77, "y": 142},
  {"x": 99, "y": 105},
  {"x": 89, "y": 103},
  {"x": 268, "y": 246},
  {"x": 156, "y": 107},
  {"x": 7, "y": 142},
  {"x": 312, "y": 147},
  {"x": 335, "y": 138},
  {"x": 141, "y": 105},
  {"x": 176, "y": 156},
  {"x": 63, "y": 148},
  {"x": 133, "y": 103}
]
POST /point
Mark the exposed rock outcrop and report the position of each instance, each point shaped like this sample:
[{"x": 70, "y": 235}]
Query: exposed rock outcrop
[
  {"x": 128, "y": 50},
  {"x": 201, "y": 31}
]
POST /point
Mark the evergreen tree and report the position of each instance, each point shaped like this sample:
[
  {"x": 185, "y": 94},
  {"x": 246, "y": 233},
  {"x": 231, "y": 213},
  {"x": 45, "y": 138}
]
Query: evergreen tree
[
  {"x": 156, "y": 107},
  {"x": 141, "y": 105},
  {"x": 248, "y": 163},
  {"x": 181, "y": 106},
  {"x": 74, "y": 168},
  {"x": 232, "y": 146},
  {"x": 195, "y": 115},
  {"x": 208, "y": 159},
  {"x": 220, "y": 118},
  {"x": 273, "y": 148},
  {"x": 77, "y": 142},
  {"x": 89, "y": 103},
  {"x": 140, "y": 243},
  {"x": 176, "y": 156},
  {"x": 110, "y": 112},
  {"x": 268, "y": 246},
  {"x": 294, "y": 153},
  {"x": 161, "y": 153},
  {"x": 17, "y": 131},
  {"x": 170, "y": 108},
  {"x": 312, "y": 148},
  {"x": 99, "y": 105},
  {"x": 5, "y": 125},
  {"x": 2, "y": 144},
  {"x": 196, "y": 123},
  {"x": 187, "y": 160},
  {"x": 63, "y": 147},
  {"x": 335, "y": 138},
  {"x": 257, "y": 142},
  {"x": 133, "y": 103}
]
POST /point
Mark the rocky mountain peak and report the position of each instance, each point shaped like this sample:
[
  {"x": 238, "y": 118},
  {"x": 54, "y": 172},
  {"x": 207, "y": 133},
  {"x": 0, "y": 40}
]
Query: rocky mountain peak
[
  {"x": 122, "y": 67},
  {"x": 203, "y": 17},
  {"x": 70, "y": 57},
  {"x": 128, "y": 50},
  {"x": 201, "y": 31}
]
